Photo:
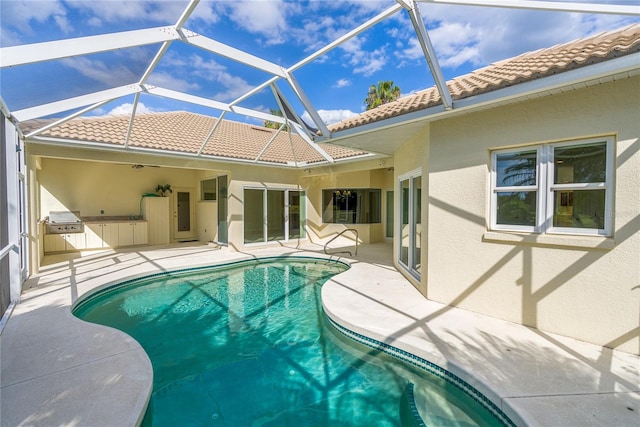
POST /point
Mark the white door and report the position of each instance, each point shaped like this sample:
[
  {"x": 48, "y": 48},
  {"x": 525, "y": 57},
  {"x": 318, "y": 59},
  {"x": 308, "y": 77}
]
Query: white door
[{"x": 183, "y": 213}]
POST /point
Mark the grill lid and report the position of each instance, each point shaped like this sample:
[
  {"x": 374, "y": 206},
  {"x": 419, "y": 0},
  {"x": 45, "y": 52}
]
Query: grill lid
[{"x": 64, "y": 217}]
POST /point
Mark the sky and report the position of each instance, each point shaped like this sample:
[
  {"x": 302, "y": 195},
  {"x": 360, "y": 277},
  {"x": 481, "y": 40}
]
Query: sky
[{"x": 283, "y": 32}]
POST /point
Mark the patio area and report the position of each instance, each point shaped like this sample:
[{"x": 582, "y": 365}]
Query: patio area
[{"x": 58, "y": 370}]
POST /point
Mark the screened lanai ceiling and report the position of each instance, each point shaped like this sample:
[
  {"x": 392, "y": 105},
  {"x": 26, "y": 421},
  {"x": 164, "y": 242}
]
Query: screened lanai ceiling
[{"x": 242, "y": 61}]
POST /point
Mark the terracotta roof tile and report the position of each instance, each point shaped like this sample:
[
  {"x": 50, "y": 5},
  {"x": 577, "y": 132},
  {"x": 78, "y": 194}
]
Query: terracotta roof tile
[
  {"x": 526, "y": 67},
  {"x": 186, "y": 132}
]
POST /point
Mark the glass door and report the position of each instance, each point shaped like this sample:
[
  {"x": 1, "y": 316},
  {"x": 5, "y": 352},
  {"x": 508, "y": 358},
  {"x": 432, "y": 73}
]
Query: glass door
[
  {"x": 388, "y": 226},
  {"x": 296, "y": 215},
  {"x": 275, "y": 215},
  {"x": 183, "y": 214},
  {"x": 272, "y": 215},
  {"x": 223, "y": 231},
  {"x": 254, "y": 216},
  {"x": 410, "y": 187}
]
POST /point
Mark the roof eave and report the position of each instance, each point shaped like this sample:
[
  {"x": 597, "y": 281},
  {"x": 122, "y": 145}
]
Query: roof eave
[
  {"x": 101, "y": 146},
  {"x": 628, "y": 64}
]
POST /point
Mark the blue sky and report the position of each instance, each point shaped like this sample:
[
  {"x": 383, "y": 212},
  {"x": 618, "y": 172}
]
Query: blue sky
[{"x": 283, "y": 32}]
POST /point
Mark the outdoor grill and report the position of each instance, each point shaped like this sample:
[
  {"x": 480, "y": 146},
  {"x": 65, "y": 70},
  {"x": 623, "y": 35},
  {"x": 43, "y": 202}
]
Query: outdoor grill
[{"x": 61, "y": 222}]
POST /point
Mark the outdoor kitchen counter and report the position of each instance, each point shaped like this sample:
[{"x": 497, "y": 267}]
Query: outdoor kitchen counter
[{"x": 103, "y": 219}]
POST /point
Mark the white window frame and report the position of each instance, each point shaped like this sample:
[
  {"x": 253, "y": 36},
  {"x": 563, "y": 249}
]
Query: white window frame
[{"x": 545, "y": 187}]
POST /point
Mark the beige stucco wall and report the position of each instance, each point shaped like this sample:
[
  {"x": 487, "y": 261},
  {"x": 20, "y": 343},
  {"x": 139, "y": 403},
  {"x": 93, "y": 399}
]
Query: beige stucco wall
[
  {"x": 592, "y": 294},
  {"x": 92, "y": 187},
  {"x": 413, "y": 155},
  {"x": 253, "y": 177}
]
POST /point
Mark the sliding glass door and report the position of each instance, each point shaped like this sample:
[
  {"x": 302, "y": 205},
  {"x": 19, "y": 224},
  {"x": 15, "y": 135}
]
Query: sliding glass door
[
  {"x": 272, "y": 215},
  {"x": 410, "y": 187},
  {"x": 275, "y": 215}
]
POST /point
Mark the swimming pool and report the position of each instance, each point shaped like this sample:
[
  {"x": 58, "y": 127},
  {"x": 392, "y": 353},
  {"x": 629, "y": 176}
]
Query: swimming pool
[{"x": 247, "y": 344}]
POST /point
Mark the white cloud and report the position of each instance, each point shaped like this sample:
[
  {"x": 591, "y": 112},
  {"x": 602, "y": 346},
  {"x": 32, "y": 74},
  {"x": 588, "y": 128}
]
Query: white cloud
[
  {"x": 24, "y": 13},
  {"x": 329, "y": 116},
  {"x": 365, "y": 62},
  {"x": 170, "y": 81},
  {"x": 482, "y": 35},
  {"x": 342, "y": 83},
  {"x": 127, "y": 108},
  {"x": 264, "y": 17},
  {"x": 111, "y": 11},
  {"x": 210, "y": 70},
  {"x": 109, "y": 74},
  {"x": 204, "y": 13}
]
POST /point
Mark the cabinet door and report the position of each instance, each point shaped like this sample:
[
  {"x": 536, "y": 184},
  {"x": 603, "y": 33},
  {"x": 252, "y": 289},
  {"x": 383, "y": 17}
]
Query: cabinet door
[
  {"x": 140, "y": 233},
  {"x": 110, "y": 235},
  {"x": 125, "y": 233},
  {"x": 93, "y": 235},
  {"x": 75, "y": 241},
  {"x": 54, "y": 243}
]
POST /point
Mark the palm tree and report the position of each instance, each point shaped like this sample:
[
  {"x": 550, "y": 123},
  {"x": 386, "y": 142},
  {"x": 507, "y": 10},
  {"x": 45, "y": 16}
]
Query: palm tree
[
  {"x": 273, "y": 125},
  {"x": 385, "y": 92}
]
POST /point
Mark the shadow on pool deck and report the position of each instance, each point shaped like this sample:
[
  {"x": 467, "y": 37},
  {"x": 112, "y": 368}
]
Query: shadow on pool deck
[{"x": 59, "y": 370}]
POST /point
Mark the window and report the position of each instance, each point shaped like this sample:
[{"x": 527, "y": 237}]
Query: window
[
  {"x": 554, "y": 188},
  {"x": 352, "y": 206},
  {"x": 208, "y": 189}
]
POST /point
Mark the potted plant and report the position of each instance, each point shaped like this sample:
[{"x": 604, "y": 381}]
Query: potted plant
[{"x": 162, "y": 189}]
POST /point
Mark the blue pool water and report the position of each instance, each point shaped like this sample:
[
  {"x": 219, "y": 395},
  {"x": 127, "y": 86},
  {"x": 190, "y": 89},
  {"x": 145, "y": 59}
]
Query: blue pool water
[{"x": 249, "y": 345}]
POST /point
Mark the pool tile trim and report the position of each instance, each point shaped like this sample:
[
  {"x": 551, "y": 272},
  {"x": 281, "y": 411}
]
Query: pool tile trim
[
  {"x": 428, "y": 366},
  {"x": 414, "y": 408},
  {"x": 82, "y": 299}
]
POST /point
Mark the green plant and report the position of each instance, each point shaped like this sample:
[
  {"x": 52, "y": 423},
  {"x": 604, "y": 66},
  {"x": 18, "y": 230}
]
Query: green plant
[{"x": 162, "y": 189}]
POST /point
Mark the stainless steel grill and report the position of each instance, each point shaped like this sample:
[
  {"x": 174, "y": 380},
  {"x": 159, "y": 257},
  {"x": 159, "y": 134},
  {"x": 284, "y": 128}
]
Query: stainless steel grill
[{"x": 61, "y": 222}]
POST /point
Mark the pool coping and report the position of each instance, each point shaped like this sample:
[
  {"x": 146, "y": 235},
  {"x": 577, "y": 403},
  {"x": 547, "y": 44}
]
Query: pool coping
[
  {"x": 535, "y": 378},
  {"x": 57, "y": 369}
]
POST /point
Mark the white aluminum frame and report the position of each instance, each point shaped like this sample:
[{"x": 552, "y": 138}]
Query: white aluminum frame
[{"x": 52, "y": 50}]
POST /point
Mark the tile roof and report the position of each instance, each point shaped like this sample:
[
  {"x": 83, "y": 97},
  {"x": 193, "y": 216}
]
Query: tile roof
[
  {"x": 185, "y": 132},
  {"x": 526, "y": 67}
]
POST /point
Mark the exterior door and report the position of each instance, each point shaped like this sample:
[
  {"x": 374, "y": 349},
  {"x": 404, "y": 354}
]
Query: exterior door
[
  {"x": 388, "y": 225},
  {"x": 223, "y": 230},
  {"x": 183, "y": 213},
  {"x": 410, "y": 227},
  {"x": 273, "y": 215},
  {"x": 295, "y": 219}
]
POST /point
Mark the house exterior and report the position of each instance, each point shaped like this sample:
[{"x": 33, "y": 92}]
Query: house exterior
[{"x": 522, "y": 202}]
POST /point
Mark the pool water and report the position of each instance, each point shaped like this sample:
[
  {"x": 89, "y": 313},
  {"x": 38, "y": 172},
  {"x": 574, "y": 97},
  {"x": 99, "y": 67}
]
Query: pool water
[{"x": 248, "y": 345}]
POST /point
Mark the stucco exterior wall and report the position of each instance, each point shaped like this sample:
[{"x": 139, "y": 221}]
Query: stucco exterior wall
[
  {"x": 90, "y": 187},
  {"x": 252, "y": 177},
  {"x": 561, "y": 285},
  {"x": 413, "y": 155}
]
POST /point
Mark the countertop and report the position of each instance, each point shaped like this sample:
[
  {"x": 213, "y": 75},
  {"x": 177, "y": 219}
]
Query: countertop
[{"x": 114, "y": 218}]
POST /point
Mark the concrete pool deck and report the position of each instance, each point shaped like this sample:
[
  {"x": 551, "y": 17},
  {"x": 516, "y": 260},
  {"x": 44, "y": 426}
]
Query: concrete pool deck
[{"x": 58, "y": 370}]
